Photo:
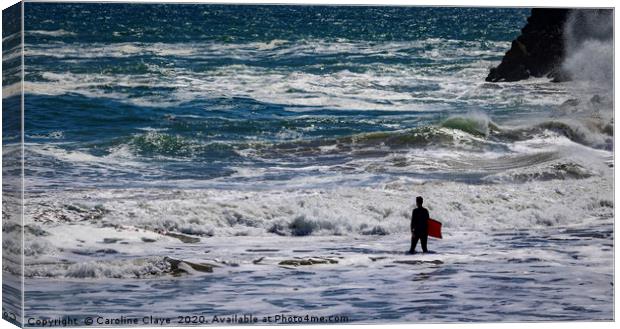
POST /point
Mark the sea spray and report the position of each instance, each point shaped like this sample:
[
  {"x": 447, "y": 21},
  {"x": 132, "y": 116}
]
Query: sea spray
[{"x": 589, "y": 46}]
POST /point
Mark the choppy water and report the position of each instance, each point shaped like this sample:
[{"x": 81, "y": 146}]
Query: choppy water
[
  {"x": 494, "y": 280},
  {"x": 144, "y": 93},
  {"x": 254, "y": 125}
]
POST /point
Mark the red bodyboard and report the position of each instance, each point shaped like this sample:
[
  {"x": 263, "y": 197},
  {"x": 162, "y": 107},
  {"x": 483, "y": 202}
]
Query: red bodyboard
[{"x": 434, "y": 228}]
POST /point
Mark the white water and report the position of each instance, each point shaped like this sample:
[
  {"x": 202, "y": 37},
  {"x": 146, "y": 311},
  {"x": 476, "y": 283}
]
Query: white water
[{"x": 371, "y": 86}]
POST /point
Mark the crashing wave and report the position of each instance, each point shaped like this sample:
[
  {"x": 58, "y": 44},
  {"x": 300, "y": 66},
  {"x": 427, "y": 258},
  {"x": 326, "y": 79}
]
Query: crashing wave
[
  {"x": 545, "y": 172},
  {"x": 349, "y": 211},
  {"x": 474, "y": 124}
]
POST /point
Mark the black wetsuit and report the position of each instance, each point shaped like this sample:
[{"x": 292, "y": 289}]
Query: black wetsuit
[{"x": 419, "y": 228}]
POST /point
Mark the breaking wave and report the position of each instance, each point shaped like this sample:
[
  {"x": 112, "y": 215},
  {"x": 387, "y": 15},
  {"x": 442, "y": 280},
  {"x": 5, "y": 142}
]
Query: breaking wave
[{"x": 347, "y": 211}]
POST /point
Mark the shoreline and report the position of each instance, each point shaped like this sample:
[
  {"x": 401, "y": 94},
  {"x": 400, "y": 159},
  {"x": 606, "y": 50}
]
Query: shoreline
[
  {"x": 509, "y": 273},
  {"x": 145, "y": 223}
]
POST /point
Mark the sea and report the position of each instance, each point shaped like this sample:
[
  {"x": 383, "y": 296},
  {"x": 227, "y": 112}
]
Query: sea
[{"x": 248, "y": 137}]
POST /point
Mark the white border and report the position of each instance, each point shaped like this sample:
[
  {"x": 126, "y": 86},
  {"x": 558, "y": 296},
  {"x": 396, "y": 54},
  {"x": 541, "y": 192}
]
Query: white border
[{"x": 462, "y": 3}]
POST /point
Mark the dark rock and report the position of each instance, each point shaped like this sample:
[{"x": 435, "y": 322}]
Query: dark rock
[
  {"x": 184, "y": 238},
  {"x": 308, "y": 261},
  {"x": 570, "y": 103},
  {"x": 419, "y": 262},
  {"x": 99, "y": 252},
  {"x": 107, "y": 251},
  {"x": 559, "y": 76},
  {"x": 538, "y": 51},
  {"x": 178, "y": 265},
  {"x": 572, "y": 170}
]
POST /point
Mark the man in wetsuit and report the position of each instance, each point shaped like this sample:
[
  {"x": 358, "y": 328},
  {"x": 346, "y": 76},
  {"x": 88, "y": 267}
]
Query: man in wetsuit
[{"x": 419, "y": 226}]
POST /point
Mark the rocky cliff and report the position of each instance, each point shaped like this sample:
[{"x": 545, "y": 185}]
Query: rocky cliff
[{"x": 538, "y": 51}]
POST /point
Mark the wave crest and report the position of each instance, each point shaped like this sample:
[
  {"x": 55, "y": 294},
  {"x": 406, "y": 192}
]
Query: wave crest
[{"x": 477, "y": 124}]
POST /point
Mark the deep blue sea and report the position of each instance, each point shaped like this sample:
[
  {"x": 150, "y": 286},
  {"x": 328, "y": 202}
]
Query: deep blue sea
[{"x": 158, "y": 94}]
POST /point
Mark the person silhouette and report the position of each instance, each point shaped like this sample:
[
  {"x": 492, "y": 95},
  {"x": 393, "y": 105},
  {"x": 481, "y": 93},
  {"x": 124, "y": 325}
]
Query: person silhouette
[{"x": 419, "y": 226}]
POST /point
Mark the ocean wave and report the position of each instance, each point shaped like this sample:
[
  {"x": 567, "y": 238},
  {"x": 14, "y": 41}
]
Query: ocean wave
[
  {"x": 390, "y": 87},
  {"x": 154, "y": 143},
  {"x": 304, "y": 74},
  {"x": 589, "y": 132},
  {"x": 472, "y": 132},
  {"x": 50, "y": 33},
  {"x": 170, "y": 146},
  {"x": 474, "y": 124},
  {"x": 454, "y": 145},
  {"x": 444, "y": 49},
  {"x": 348, "y": 211},
  {"x": 588, "y": 128},
  {"x": 12, "y": 90},
  {"x": 137, "y": 268},
  {"x": 543, "y": 172},
  {"x": 12, "y": 37},
  {"x": 10, "y": 54},
  {"x": 467, "y": 132}
]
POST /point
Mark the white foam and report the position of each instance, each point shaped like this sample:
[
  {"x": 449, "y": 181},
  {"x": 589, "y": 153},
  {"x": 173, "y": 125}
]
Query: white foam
[
  {"x": 351, "y": 210},
  {"x": 11, "y": 90},
  {"x": 119, "y": 157},
  {"x": 50, "y": 33},
  {"x": 373, "y": 86}
]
